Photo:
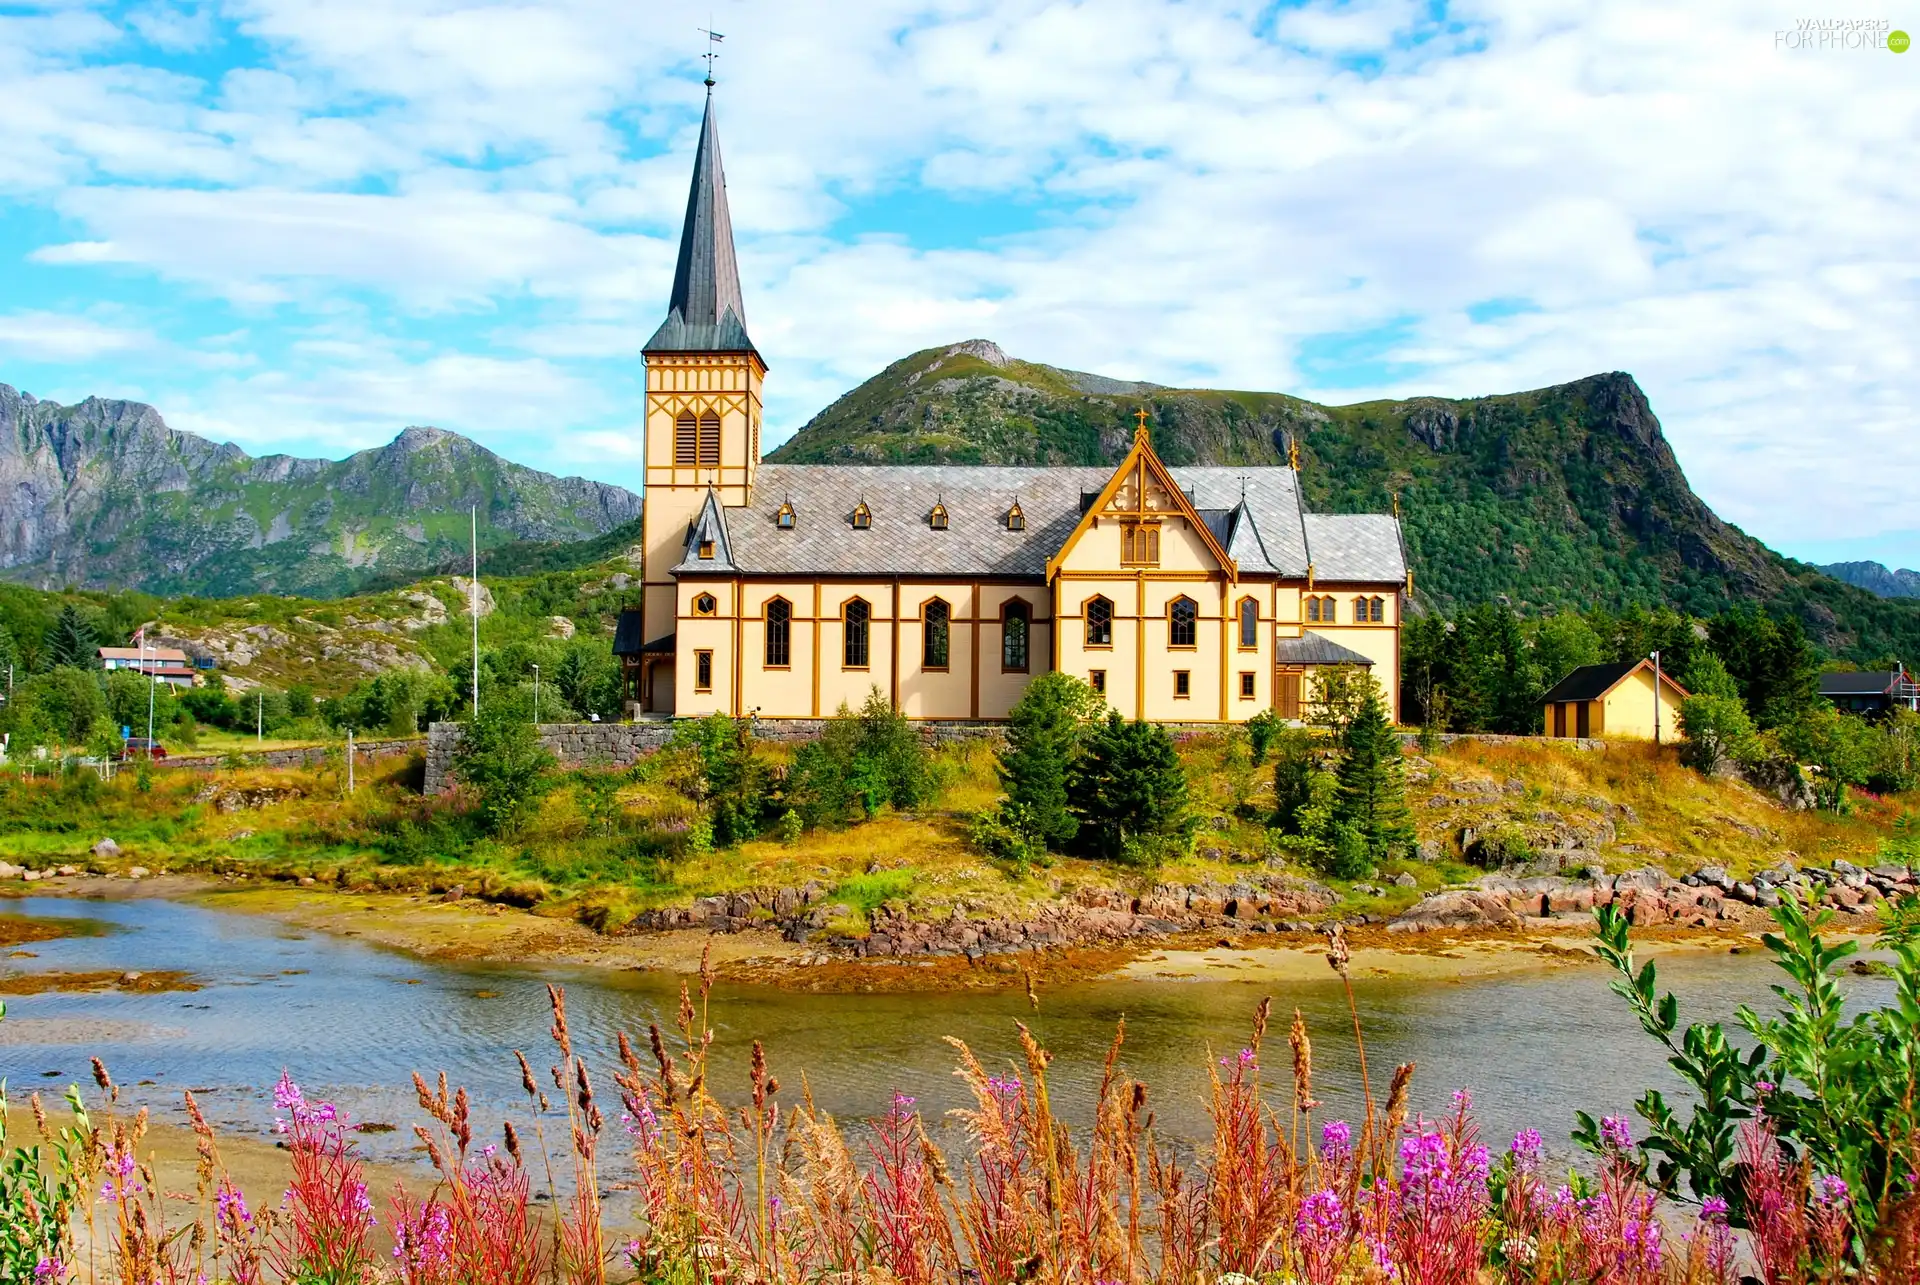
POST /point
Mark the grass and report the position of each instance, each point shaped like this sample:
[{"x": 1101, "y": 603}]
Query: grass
[{"x": 604, "y": 868}]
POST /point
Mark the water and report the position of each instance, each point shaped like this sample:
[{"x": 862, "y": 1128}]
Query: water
[{"x": 352, "y": 1022}]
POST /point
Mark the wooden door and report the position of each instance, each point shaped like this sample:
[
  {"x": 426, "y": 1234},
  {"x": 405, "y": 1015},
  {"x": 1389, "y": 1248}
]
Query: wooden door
[
  {"x": 1583, "y": 719},
  {"x": 1559, "y": 718},
  {"x": 1286, "y": 694}
]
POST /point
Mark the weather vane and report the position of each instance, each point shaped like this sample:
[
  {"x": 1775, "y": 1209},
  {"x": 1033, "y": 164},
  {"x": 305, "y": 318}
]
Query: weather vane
[{"x": 713, "y": 38}]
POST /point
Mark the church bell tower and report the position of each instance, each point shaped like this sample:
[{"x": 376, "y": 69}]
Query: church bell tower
[{"x": 702, "y": 427}]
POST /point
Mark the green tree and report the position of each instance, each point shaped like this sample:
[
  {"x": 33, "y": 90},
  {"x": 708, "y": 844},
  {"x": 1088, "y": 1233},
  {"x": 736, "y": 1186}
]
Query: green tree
[
  {"x": 1335, "y": 694},
  {"x": 1707, "y": 675},
  {"x": 1045, "y": 730},
  {"x": 588, "y": 678},
  {"x": 1771, "y": 660},
  {"x": 1561, "y": 644},
  {"x": 1838, "y": 746},
  {"x": 1717, "y": 731},
  {"x": 71, "y": 641},
  {"x": 1129, "y": 793},
  {"x": 1371, "y": 794},
  {"x": 500, "y": 758}
]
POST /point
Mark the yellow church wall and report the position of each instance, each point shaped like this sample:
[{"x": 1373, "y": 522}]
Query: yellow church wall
[{"x": 816, "y": 681}]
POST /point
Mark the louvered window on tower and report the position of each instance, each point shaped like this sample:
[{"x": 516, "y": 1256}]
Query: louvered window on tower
[
  {"x": 710, "y": 439},
  {"x": 686, "y": 440}
]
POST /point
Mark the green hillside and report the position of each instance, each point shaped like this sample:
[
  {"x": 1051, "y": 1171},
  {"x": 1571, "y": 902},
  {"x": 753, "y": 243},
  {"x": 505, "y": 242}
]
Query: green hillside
[{"x": 1558, "y": 498}]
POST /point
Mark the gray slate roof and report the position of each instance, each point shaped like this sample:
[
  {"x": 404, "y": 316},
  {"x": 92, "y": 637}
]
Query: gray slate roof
[
  {"x": 1259, "y": 522},
  {"x": 1315, "y": 649},
  {"x": 708, "y": 526},
  {"x": 705, "y": 312},
  {"x": 1861, "y": 683}
]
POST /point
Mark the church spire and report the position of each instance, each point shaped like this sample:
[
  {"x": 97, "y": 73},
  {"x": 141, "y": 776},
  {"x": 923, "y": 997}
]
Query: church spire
[{"x": 705, "y": 313}]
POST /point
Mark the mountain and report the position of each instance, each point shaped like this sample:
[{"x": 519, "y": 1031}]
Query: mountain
[
  {"x": 1558, "y": 498},
  {"x": 1876, "y": 579},
  {"x": 105, "y": 494}
]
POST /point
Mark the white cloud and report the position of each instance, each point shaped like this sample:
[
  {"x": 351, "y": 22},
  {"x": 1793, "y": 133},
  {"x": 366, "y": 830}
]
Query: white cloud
[{"x": 52, "y": 337}]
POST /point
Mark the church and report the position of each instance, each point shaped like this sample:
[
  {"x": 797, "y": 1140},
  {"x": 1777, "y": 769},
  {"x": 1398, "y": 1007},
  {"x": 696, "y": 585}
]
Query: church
[{"x": 1187, "y": 595}]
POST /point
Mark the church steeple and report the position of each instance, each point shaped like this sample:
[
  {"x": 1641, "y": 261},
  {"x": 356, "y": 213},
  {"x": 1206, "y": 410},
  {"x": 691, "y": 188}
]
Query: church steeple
[{"x": 705, "y": 313}]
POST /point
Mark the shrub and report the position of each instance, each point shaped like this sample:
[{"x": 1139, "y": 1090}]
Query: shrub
[
  {"x": 1045, "y": 732},
  {"x": 1840, "y": 1090},
  {"x": 867, "y": 760},
  {"x": 1839, "y": 746},
  {"x": 1295, "y": 767},
  {"x": 1262, "y": 730},
  {"x": 1718, "y": 732},
  {"x": 733, "y": 778},
  {"x": 1130, "y": 794},
  {"x": 1009, "y": 833},
  {"x": 500, "y": 758}
]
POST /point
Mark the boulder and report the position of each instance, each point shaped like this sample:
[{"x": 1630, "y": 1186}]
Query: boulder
[
  {"x": 1462, "y": 909},
  {"x": 10, "y": 871},
  {"x": 138, "y": 872},
  {"x": 106, "y": 848}
]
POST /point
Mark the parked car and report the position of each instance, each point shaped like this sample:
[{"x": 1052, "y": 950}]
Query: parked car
[{"x": 139, "y": 747}]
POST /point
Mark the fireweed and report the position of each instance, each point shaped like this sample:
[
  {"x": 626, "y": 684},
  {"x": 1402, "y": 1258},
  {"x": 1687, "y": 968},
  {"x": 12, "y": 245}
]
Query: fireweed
[{"x": 777, "y": 1195}]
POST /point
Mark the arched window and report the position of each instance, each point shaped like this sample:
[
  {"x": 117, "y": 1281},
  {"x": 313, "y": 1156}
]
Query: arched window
[
  {"x": 1016, "y": 519},
  {"x": 1140, "y": 544},
  {"x": 686, "y": 439},
  {"x": 854, "y": 617},
  {"x": 704, "y": 605},
  {"x": 862, "y": 516},
  {"x": 1014, "y": 627},
  {"x": 779, "y": 633},
  {"x": 709, "y": 438},
  {"x": 1182, "y": 626},
  {"x": 1249, "y": 624},
  {"x": 1377, "y": 612},
  {"x": 935, "y": 619},
  {"x": 1099, "y": 622},
  {"x": 1328, "y": 613},
  {"x": 1312, "y": 607},
  {"x": 1320, "y": 609},
  {"x": 784, "y": 518},
  {"x": 938, "y": 518}
]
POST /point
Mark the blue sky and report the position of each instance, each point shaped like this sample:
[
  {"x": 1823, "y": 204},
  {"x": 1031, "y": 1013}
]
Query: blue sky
[{"x": 302, "y": 226}]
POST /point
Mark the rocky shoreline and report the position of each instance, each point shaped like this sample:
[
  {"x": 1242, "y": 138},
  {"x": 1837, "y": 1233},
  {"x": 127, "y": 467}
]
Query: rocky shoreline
[{"x": 1707, "y": 898}]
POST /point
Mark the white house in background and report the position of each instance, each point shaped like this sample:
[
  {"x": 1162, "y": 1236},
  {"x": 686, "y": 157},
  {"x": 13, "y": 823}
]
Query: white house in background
[{"x": 168, "y": 664}]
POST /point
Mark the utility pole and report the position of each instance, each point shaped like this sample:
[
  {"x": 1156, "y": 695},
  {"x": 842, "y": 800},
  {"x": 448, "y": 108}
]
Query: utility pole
[
  {"x": 536, "y": 695},
  {"x": 259, "y": 717},
  {"x": 152, "y": 680},
  {"x": 1656, "y": 698},
  {"x": 349, "y": 760}
]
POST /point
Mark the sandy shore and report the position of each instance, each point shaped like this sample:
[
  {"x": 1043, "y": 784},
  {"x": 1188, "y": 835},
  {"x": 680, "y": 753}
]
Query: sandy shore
[{"x": 426, "y": 927}]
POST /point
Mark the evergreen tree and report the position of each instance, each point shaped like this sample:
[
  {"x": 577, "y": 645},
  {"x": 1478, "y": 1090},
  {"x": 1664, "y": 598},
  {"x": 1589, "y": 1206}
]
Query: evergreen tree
[
  {"x": 1044, "y": 733},
  {"x": 1294, "y": 768},
  {"x": 71, "y": 641},
  {"x": 1371, "y": 796},
  {"x": 1129, "y": 793},
  {"x": 9, "y": 654}
]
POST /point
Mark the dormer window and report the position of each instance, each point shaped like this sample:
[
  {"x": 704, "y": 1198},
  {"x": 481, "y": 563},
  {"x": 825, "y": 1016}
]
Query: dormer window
[
  {"x": 706, "y": 551},
  {"x": 938, "y": 518},
  {"x": 784, "y": 518},
  {"x": 1016, "y": 520},
  {"x": 862, "y": 516}
]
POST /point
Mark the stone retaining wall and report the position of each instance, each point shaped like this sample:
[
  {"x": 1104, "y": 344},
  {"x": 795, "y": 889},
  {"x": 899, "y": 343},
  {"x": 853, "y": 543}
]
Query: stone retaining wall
[{"x": 303, "y": 756}]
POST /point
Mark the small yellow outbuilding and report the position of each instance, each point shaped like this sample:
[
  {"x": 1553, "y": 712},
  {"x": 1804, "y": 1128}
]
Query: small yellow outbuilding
[{"x": 1615, "y": 700}]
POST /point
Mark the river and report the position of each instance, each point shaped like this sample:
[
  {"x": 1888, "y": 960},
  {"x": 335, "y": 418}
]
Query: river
[{"x": 352, "y": 1022}]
